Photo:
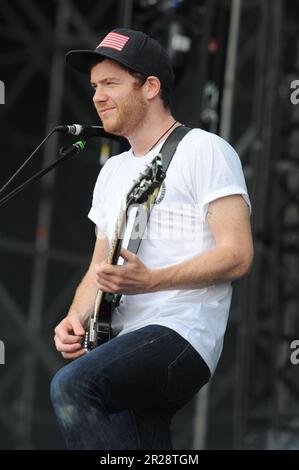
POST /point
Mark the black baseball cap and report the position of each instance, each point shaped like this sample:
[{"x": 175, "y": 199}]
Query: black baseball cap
[{"x": 133, "y": 49}]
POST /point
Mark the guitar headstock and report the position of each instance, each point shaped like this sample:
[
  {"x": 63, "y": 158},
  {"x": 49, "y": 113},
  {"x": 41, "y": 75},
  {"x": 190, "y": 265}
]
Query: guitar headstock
[{"x": 150, "y": 179}]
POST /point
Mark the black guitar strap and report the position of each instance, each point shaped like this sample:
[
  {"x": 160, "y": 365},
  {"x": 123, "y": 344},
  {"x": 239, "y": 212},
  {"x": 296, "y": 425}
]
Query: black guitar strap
[{"x": 167, "y": 151}]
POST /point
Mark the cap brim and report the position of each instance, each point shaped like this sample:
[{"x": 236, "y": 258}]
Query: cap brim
[{"x": 83, "y": 60}]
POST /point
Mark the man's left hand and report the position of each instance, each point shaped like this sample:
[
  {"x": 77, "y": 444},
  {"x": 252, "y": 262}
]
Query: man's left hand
[{"x": 133, "y": 277}]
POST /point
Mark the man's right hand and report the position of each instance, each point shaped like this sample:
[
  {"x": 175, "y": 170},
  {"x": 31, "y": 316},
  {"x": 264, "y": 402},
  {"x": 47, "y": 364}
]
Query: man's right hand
[{"x": 68, "y": 337}]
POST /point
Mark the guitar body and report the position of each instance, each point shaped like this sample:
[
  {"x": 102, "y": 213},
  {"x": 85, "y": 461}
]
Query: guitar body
[{"x": 103, "y": 324}]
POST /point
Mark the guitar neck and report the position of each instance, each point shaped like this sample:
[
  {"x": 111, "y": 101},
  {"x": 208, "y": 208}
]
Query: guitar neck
[
  {"x": 143, "y": 192},
  {"x": 111, "y": 258}
]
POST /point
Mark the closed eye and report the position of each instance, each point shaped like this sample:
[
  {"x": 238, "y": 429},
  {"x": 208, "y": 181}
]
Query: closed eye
[
  {"x": 111, "y": 82},
  {"x": 105, "y": 82}
]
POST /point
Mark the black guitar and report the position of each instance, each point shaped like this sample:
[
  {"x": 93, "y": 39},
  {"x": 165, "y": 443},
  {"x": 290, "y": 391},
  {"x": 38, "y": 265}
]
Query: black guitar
[{"x": 143, "y": 192}]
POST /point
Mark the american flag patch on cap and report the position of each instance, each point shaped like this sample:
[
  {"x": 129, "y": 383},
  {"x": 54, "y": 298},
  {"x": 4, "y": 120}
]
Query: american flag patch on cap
[{"x": 115, "y": 41}]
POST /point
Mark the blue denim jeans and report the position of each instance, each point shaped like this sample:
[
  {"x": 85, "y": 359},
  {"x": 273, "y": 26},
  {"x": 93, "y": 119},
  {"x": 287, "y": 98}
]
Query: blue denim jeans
[{"x": 124, "y": 393}]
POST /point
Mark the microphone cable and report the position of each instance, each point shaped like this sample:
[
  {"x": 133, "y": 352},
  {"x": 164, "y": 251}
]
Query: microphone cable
[{"x": 26, "y": 161}]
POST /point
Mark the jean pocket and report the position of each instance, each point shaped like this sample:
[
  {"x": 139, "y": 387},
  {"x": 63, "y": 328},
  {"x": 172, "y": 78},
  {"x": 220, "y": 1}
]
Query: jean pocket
[{"x": 187, "y": 373}]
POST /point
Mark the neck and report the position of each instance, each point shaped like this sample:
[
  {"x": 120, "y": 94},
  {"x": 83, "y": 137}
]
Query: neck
[{"x": 149, "y": 131}]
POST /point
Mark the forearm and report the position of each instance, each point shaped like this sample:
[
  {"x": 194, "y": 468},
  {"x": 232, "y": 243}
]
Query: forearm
[
  {"x": 84, "y": 298},
  {"x": 221, "y": 264}
]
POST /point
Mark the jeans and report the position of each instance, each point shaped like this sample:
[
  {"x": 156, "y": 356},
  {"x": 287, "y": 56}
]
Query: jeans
[{"x": 124, "y": 393}]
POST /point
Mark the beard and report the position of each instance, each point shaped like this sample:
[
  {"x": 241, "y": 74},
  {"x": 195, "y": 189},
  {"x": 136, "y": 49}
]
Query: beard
[{"x": 128, "y": 115}]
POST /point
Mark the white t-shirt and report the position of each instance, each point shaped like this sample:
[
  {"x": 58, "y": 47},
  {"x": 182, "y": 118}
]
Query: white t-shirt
[{"x": 204, "y": 168}]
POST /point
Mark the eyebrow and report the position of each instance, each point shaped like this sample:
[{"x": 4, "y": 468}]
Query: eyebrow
[{"x": 107, "y": 79}]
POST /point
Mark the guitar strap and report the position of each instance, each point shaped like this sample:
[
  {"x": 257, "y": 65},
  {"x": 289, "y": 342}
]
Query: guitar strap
[{"x": 167, "y": 151}]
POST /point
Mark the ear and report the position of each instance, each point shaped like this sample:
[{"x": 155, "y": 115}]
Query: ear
[{"x": 152, "y": 87}]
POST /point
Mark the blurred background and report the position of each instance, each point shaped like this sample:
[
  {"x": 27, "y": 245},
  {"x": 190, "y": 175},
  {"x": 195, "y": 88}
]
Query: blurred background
[{"x": 236, "y": 63}]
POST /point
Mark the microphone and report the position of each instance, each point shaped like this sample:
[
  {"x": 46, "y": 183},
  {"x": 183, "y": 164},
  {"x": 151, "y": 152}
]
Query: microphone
[{"x": 84, "y": 131}]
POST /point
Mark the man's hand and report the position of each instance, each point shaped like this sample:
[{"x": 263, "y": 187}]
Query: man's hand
[
  {"x": 68, "y": 337},
  {"x": 133, "y": 277}
]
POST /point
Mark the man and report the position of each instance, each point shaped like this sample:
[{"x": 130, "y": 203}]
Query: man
[{"x": 176, "y": 290}]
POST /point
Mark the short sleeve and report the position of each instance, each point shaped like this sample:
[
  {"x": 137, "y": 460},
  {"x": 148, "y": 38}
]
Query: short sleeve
[
  {"x": 217, "y": 173},
  {"x": 97, "y": 213}
]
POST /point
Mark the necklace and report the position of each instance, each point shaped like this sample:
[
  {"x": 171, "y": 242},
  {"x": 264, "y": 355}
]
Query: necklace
[{"x": 161, "y": 136}]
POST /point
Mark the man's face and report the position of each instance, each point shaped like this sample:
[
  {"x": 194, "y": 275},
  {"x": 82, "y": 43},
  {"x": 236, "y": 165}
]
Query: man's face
[{"x": 118, "y": 99}]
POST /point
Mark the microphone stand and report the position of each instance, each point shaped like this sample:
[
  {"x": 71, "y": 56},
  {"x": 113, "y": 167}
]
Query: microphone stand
[{"x": 65, "y": 153}]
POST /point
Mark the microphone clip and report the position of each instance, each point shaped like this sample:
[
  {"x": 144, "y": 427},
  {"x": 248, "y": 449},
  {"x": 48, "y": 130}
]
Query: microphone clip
[{"x": 73, "y": 149}]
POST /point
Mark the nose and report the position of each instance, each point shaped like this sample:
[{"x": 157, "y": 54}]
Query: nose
[{"x": 99, "y": 95}]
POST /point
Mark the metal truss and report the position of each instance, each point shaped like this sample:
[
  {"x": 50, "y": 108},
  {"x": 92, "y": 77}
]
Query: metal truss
[{"x": 257, "y": 383}]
